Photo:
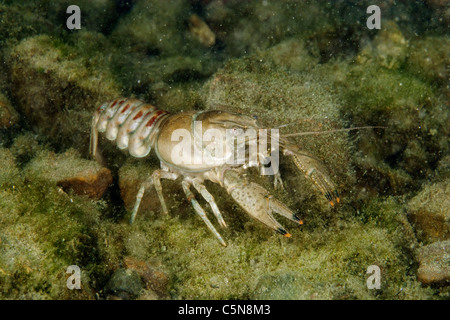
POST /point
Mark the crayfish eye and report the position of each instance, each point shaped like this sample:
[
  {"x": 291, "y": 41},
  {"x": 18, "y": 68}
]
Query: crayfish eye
[{"x": 237, "y": 131}]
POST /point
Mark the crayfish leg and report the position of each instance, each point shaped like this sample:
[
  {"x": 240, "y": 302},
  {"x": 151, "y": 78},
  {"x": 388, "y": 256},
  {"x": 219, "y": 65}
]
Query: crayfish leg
[
  {"x": 210, "y": 199},
  {"x": 153, "y": 180},
  {"x": 200, "y": 211}
]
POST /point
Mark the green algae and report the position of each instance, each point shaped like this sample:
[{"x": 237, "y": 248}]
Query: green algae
[
  {"x": 52, "y": 80},
  {"x": 427, "y": 58},
  {"x": 152, "y": 25},
  {"x": 327, "y": 259},
  {"x": 41, "y": 224}
]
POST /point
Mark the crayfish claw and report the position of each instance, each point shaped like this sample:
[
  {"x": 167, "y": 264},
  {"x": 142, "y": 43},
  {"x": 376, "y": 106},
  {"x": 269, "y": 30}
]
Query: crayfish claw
[
  {"x": 313, "y": 170},
  {"x": 257, "y": 201}
]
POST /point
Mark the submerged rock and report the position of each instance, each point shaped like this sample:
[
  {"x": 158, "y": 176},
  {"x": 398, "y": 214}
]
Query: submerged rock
[
  {"x": 428, "y": 58},
  {"x": 434, "y": 267},
  {"x": 200, "y": 30},
  {"x": 43, "y": 232},
  {"x": 71, "y": 172},
  {"x": 57, "y": 88},
  {"x": 125, "y": 284},
  {"x": 429, "y": 212},
  {"x": 152, "y": 278},
  {"x": 8, "y": 115},
  {"x": 389, "y": 48}
]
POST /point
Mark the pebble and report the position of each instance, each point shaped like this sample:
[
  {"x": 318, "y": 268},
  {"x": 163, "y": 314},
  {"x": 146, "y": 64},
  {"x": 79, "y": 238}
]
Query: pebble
[
  {"x": 71, "y": 172},
  {"x": 200, "y": 30},
  {"x": 92, "y": 183},
  {"x": 125, "y": 284},
  {"x": 153, "y": 279},
  {"x": 434, "y": 263},
  {"x": 428, "y": 211}
]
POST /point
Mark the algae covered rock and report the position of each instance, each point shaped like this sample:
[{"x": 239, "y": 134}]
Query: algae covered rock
[
  {"x": 153, "y": 279},
  {"x": 44, "y": 232},
  {"x": 293, "y": 54},
  {"x": 389, "y": 48},
  {"x": 70, "y": 172},
  {"x": 414, "y": 115},
  {"x": 57, "y": 88},
  {"x": 9, "y": 171},
  {"x": 433, "y": 263},
  {"x": 154, "y": 26},
  {"x": 8, "y": 115},
  {"x": 429, "y": 212},
  {"x": 125, "y": 284},
  {"x": 428, "y": 58}
]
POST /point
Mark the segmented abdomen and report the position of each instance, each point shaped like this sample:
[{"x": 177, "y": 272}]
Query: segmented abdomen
[{"x": 131, "y": 122}]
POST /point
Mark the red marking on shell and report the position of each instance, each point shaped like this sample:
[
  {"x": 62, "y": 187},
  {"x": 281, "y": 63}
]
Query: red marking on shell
[
  {"x": 115, "y": 102},
  {"x": 139, "y": 114},
  {"x": 126, "y": 108},
  {"x": 153, "y": 119}
]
